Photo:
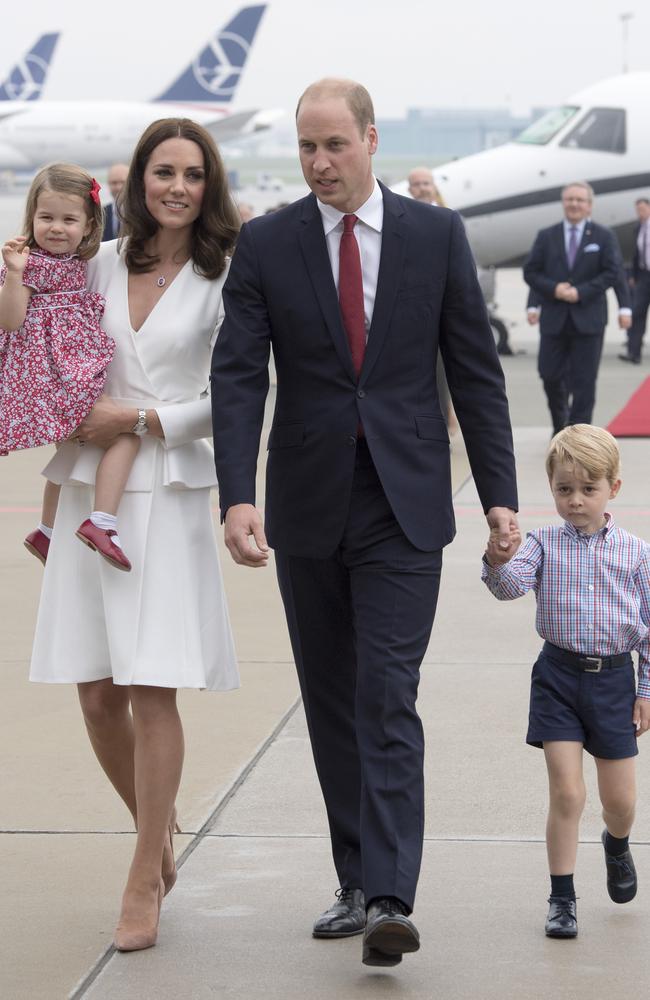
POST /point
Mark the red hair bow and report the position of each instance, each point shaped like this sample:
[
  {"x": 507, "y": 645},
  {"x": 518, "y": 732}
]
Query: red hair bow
[{"x": 95, "y": 188}]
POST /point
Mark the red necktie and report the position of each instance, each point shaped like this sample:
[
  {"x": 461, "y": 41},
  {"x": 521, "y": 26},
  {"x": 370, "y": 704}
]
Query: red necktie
[{"x": 351, "y": 292}]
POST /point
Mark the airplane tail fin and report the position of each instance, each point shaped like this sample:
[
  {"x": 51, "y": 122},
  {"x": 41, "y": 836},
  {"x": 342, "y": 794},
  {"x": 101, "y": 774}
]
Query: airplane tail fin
[
  {"x": 214, "y": 74},
  {"x": 27, "y": 78}
]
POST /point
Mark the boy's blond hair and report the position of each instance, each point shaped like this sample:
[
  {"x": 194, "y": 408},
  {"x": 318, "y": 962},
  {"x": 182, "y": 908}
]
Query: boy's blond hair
[{"x": 592, "y": 448}]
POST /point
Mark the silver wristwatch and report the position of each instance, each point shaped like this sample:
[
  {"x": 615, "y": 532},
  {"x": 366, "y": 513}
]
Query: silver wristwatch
[{"x": 141, "y": 425}]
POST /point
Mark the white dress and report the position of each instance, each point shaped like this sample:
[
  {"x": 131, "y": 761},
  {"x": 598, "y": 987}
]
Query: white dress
[{"x": 166, "y": 622}]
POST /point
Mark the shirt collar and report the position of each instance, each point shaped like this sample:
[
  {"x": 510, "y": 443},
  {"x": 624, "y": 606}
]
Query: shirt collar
[
  {"x": 580, "y": 226},
  {"x": 371, "y": 212},
  {"x": 605, "y": 531}
]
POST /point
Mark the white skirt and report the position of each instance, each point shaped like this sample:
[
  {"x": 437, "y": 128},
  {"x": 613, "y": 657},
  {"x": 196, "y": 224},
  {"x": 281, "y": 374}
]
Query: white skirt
[{"x": 163, "y": 624}]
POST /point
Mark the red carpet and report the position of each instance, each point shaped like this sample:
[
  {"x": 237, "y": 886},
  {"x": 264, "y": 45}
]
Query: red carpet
[{"x": 634, "y": 418}]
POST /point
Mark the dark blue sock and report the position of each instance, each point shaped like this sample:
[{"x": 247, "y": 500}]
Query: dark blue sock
[
  {"x": 616, "y": 845},
  {"x": 562, "y": 885}
]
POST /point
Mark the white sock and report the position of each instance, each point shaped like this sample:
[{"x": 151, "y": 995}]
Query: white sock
[
  {"x": 45, "y": 530},
  {"x": 106, "y": 522}
]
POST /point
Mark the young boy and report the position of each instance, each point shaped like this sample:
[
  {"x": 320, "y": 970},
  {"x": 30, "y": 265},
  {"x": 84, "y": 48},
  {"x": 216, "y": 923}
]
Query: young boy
[{"x": 592, "y": 584}]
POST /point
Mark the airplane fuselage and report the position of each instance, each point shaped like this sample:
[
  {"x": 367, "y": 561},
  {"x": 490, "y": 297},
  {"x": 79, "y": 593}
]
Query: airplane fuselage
[
  {"x": 507, "y": 194},
  {"x": 92, "y": 134}
]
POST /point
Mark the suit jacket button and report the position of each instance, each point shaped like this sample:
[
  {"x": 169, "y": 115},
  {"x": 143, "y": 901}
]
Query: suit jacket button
[
  {"x": 361, "y": 393},
  {"x": 352, "y": 439}
]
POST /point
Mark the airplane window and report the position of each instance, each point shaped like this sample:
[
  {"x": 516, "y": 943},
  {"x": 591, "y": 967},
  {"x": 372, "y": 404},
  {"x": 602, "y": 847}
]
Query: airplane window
[
  {"x": 602, "y": 129},
  {"x": 543, "y": 130}
]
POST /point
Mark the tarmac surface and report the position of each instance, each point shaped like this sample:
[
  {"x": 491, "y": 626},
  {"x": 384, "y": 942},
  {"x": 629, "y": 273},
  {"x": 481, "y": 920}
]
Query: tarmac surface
[{"x": 254, "y": 859}]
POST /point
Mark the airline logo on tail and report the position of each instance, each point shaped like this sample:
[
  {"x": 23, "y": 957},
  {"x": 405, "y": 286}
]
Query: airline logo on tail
[
  {"x": 27, "y": 78},
  {"x": 215, "y": 73}
]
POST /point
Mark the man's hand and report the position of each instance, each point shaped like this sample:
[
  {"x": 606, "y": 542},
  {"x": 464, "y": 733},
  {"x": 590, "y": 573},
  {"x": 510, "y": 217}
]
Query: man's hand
[
  {"x": 641, "y": 715},
  {"x": 505, "y": 537},
  {"x": 566, "y": 292},
  {"x": 625, "y": 320},
  {"x": 243, "y": 522},
  {"x": 532, "y": 315}
]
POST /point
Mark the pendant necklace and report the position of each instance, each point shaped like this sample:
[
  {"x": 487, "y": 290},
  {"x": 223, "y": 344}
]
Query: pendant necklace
[{"x": 161, "y": 281}]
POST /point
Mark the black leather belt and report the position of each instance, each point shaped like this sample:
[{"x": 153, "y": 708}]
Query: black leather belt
[{"x": 588, "y": 664}]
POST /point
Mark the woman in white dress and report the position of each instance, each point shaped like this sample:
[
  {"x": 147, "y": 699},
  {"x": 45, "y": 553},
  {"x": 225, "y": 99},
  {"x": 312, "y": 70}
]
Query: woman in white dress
[{"x": 130, "y": 640}]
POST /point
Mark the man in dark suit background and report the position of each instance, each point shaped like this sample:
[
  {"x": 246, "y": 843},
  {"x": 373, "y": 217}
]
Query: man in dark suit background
[
  {"x": 115, "y": 179},
  {"x": 569, "y": 270},
  {"x": 640, "y": 284},
  {"x": 355, "y": 289}
]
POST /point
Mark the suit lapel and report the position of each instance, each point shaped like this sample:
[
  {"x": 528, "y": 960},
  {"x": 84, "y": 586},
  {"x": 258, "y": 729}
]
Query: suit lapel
[
  {"x": 560, "y": 247},
  {"x": 393, "y": 246},
  {"x": 314, "y": 249}
]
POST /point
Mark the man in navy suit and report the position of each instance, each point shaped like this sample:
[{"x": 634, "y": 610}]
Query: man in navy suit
[
  {"x": 569, "y": 270},
  {"x": 356, "y": 289},
  {"x": 640, "y": 284},
  {"x": 115, "y": 179}
]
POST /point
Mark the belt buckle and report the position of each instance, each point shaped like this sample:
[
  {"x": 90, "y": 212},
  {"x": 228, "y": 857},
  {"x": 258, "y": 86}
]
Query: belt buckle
[{"x": 598, "y": 664}]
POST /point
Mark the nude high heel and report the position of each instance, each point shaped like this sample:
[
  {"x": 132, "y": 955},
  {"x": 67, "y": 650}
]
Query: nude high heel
[
  {"x": 169, "y": 878},
  {"x": 136, "y": 937}
]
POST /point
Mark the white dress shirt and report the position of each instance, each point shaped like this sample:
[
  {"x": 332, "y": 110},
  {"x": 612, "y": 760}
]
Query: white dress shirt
[
  {"x": 368, "y": 235},
  {"x": 643, "y": 244},
  {"x": 580, "y": 228}
]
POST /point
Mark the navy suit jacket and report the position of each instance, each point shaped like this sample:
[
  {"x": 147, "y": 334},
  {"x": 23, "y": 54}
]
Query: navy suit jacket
[
  {"x": 109, "y": 216},
  {"x": 597, "y": 267},
  {"x": 280, "y": 294},
  {"x": 637, "y": 270}
]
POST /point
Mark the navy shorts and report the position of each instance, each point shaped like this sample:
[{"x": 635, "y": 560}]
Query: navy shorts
[{"x": 594, "y": 709}]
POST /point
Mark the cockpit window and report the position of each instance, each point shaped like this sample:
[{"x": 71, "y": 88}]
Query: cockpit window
[
  {"x": 543, "y": 130},
  {"x": 602, "y": 129}
]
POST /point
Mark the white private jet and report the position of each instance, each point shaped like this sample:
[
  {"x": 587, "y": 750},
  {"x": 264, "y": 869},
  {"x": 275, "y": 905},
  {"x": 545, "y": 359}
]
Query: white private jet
[
  {"x": 97, "y": 133},
  {"x": 505, "y": 195}
]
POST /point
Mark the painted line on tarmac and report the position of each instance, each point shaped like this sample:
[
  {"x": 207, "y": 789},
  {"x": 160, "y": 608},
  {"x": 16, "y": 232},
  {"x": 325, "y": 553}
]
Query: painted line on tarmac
[{"x": 80, "y": 989}]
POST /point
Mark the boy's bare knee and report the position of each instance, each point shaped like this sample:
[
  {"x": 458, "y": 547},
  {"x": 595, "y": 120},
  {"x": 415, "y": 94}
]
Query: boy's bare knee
[{"x": 568, "y": 799}]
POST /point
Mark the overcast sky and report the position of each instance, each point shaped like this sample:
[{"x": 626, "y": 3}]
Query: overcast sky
[{"x": 409, "y": 53}]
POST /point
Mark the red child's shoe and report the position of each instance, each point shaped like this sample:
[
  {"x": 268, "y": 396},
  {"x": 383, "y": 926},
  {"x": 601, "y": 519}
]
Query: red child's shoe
[
  {"x": 38, "y": 544},
  {"x": 100, "y": 541}
]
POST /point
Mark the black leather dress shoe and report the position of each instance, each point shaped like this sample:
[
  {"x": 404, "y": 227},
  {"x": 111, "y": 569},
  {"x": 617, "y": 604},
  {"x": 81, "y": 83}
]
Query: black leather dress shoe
[
  {"x": 346, "y": 917},
  {"x": 621, "y": 874},
  {"x": 628, "y": 357},
  {"x": 389, "y": 933},
  {"x": 561, "y": 921}
]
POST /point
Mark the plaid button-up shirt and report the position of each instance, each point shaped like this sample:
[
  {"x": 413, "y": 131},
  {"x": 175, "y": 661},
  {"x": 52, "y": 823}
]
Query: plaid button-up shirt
[{"x": 592, "y": 591}]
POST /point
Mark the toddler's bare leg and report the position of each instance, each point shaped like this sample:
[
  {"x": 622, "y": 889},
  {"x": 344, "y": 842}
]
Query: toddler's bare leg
[
  {"x": 566, "y": 801},
  {"x": 113, "y": 472},
  {"x": 50, "y": 503}
]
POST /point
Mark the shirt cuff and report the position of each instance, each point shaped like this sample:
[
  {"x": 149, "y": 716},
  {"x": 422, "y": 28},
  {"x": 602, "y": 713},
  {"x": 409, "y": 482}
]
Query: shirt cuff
[{"x": 624, "y": 311}]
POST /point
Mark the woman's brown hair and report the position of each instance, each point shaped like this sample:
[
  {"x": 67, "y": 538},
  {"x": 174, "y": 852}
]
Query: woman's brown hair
[
  {"x": 67, "y": 178},
  {"x": 215, "y": 230}
]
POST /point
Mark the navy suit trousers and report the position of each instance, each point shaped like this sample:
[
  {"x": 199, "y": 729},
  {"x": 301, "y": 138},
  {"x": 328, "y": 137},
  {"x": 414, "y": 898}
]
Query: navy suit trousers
[
  {"x": 640, "y": 305},
  {"x": 360, "y": 623},
  {"x": 568, "y": 366}
]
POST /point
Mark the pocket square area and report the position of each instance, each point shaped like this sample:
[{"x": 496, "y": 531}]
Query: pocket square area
[{"x": 592, "y": 248}]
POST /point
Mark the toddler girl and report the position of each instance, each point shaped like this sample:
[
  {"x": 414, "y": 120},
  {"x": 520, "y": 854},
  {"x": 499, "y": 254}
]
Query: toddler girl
[{"x": 53, "y": 352}]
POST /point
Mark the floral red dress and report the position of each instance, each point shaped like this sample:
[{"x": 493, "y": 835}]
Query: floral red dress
[{"x": 52, "y": 370}]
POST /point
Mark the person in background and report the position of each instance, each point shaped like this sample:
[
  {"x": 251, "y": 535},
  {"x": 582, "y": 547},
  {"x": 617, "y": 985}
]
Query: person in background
[
  {"x": 246, "y": 211},
  {"x": 569, "y": 269},
  {"x": 422, "y": 187},
  {"x": 115, "y": 181},
  {"x": 640, "y": 284}
]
